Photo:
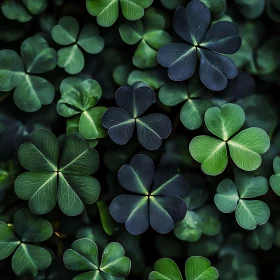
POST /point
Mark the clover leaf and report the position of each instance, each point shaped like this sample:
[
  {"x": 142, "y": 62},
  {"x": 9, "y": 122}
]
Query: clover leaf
[
  {"x": 245, "y": 147},
  {"x": 232, "y": 197},
  {"x": 200, "y": 219},
  {"x": 196, "y": 268},
  {"x": 133, "y": 103},
  {"x": 195, "y": 106},
  {"x": 250, "y": 9},
  {"x": 151, "y": 77},
  {"x": 23, "y": 10},
  {"x": 31, "y": 91},
  {"x": 49, "y": 181},
  {"x": 191, "y": 24},
  {"x": 274, "y": 180},
  {"x": 27, "y": 229},
  {"x": 107, "y": 11},
  {"x": 158, "y": 205},
  {"x": 262, "y": 237},
  {"x": 150, "y": 37},
  {"x": 84, "y": 256},
  {"x": 67, "y": 33},
  {"x": 78, "y": 99}
]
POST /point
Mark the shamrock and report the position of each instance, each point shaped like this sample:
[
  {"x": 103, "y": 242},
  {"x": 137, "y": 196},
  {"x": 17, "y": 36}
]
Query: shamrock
[
  {"x": 196, "y": 268},
  {"x": 78, "y": 99},
  {"x": 84, "y": 256},
  {"x": 245, "y": 148},
  {"x": 67, "y": 33},
  {"x": 158, "y": 205},
  {"x": 232, "y": 197},
  {"x": 27, "y": 229},
  {"x": 191, "y": 24},
  {"x": 47, "y": 181},
  {"x": 20, "y": 73},
  {"x": 151, "y": 129}
]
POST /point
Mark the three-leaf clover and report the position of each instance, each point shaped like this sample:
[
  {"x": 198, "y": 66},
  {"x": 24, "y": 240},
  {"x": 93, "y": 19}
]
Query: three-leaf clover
[
  {"x": 50, "y": 180},
  {"x": 27, "y": 229},
  {"x": 31, "y": 91},
  {"x": 195, "y": 106},
  {"x": 191, "y": 24},
  {"x": 157, "y": 205},
  {"x": 84, "y": 256},
  {"x": 232, "y": 197},
  {"x": 151, "y": 129},
  {"x": 149, "y": 35},
  {"x": 245, "y": 148},
  {"x": 67, "y": 33},
  {"x": 274, "y": 180},
  {"x": 79, "y": 100},
  {"x": 107, "y": 11},
  {"x": 23, "y": 10},
  {"x": 196, "y": 268}
]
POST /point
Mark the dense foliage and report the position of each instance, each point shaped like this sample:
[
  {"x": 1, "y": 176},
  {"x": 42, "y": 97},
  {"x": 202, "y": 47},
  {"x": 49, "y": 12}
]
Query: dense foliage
[{"x": 139, "y": 139}]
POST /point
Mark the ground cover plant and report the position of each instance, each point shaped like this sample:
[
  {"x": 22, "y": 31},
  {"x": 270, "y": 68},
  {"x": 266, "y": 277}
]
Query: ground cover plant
[{"x": 139, "y": 139}]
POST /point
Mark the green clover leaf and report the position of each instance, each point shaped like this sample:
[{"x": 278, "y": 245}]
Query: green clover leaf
[{"x": 245, "y": 147}]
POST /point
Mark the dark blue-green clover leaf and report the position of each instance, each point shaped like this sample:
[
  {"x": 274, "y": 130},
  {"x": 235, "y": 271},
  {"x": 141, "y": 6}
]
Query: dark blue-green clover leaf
[
  {"x": 79, "y": 99},
  {"x": 19, "y": 238},
  {"x": 83, "y": 256},
  {"x": 156, "y": 204},
  {"x": 150, "y": 36},
  {"x": 192, "y": 95},
  {"x": 196, "y": 268},
  {"x": 232, "y": 197},
  {"x": 209, "y": 44},
  {"x": 67, "y": 33},
  {"x": 31, "y": 91},
  {"x": 133, "y": 103},
  {"x": 49, "y": 180}
]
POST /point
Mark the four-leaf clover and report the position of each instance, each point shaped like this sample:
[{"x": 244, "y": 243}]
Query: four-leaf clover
[
  {"x": 157, "y": 205},
  {"x": 245, "y": 148},
  {"x": 232, "y": 197},
  {"x": 207, "y": 43},
  {"x": 151, "y": 129},
  {"x": 27, "y": 229},
  {"x": 84, "y": 257},
  {"x": 50, "y": 180}
]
